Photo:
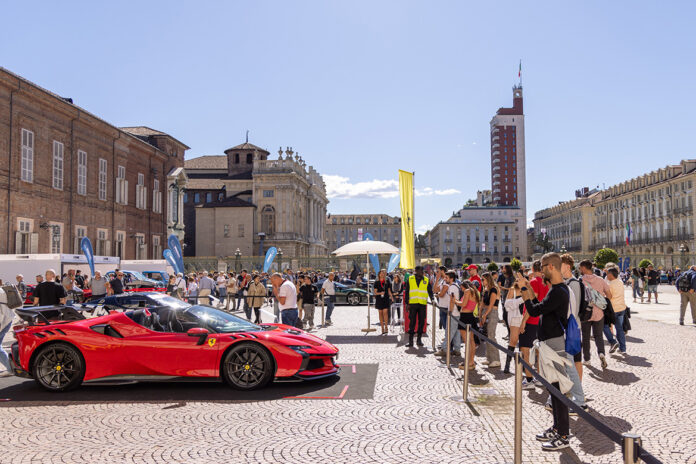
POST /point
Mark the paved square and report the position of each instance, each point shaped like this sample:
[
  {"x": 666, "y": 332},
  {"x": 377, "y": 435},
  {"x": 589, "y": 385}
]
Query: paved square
[{"x": 404, "y": 414}]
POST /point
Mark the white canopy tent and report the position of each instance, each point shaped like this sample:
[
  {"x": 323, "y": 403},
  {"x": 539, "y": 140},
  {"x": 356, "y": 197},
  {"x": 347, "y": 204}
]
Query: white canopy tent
[{"x": 367, "y": 248}]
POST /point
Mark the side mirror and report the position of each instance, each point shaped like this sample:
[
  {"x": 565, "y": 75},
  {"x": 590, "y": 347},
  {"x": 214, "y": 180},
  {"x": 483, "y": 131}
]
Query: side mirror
[{"x": 199, "y": 332}]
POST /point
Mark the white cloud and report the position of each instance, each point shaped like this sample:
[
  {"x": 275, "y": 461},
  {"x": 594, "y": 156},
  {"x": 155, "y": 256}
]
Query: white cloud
[{"x": 342, "y": 188}]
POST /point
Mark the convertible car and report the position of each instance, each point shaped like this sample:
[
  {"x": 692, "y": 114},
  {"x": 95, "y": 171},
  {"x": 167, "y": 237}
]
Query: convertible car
[{"x": 60, "y": 349}]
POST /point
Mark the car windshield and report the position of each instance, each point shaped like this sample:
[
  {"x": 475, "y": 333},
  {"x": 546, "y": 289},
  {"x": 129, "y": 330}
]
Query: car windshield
[
  {"x": 138, "y": 275},
  {"x": 220, "y": 321},
  {"x": 166, "y": 300}
]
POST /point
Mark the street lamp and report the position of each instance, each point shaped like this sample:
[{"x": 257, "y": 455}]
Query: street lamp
[
  {"x": 280, "y": 259},
  {"x": 682, "y": 251},
  {"x": 563, "y": 249},
  {"x": 237, "y": 260}
]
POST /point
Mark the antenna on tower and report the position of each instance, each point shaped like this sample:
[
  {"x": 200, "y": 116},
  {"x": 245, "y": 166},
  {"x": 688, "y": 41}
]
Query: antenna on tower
[
  {"x": 247, "y": 136},
  {"x": 519, "y": 73}
]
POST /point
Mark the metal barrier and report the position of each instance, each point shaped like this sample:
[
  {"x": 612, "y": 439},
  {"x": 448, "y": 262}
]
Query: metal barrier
[{"x": 631, "y": 444}]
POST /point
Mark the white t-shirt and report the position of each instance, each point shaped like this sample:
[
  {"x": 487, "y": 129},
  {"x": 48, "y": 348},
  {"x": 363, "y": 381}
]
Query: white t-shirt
[
  {"x": 328, "y": 287},
  {"x": 444, "y": 301},
  {"x": 453, "y": 292},
  {"x": 221, "y": 281},
  {"x": 287, "y": 289}
]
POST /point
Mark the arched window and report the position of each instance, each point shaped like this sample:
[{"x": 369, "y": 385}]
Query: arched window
[{"x": 268, "y": 220}]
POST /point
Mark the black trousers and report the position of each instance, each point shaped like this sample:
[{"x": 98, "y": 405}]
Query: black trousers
[
  {"x": 416, "y": 311},
  {"x": 597, "y": 328},
  {"x": 561, "y": 421}
]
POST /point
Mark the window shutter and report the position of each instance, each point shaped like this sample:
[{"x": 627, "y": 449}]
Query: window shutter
[
  {"x": 76, "y": 246},
  {"x": 125, "y": 192},
  {"x": 34, "y": 247},
  {"x": 107, "y": 248},
  {"x": 18, "y": 242}
]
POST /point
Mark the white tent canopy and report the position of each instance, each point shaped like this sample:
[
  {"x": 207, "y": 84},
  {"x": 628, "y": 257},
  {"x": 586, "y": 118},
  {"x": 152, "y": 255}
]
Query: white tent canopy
[{"x": 370, "y": 247}]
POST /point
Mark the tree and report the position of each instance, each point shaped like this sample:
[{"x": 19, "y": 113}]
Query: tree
[
  {"x": 604, "y": 256},
  {"x": 420, "y": 246},
  {"x": 516, "y": 264},
  {"x": 644, "y": 263},
  {"x": 492, "y": 267},
  {"x": 543, "y": 242}
]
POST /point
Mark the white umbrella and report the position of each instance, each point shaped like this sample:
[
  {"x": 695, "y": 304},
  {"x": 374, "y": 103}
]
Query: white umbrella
[{"x": 367, "y": 248}]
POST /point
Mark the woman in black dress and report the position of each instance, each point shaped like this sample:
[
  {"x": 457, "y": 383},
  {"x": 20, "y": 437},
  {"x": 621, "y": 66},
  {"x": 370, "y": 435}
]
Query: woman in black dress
[{"x": 383, "y": 295}]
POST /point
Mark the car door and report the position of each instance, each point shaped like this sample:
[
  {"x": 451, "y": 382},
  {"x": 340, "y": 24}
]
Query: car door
[{"x": 171, "y": 353}]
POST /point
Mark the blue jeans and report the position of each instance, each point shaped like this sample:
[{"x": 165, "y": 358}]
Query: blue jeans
[
  {"x": 455, "y": 337},
  {"x": 329, "y": 307},
  {"x": 443, "y": 318},
  {"x": 637, "y": 291},
  {"x": 4, "y": 358},
  {"x": 620, "y": 334},
  {"x": 289, "y": 316}
]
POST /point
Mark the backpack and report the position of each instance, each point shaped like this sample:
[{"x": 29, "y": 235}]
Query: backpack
[
  {"x": 573, "y": 342},
  {"x": 584, "y": 311},
  {"x": 13, "y": 297},
  {"x": 595, "y": 298},
  {"x": 684, "y": 282}
]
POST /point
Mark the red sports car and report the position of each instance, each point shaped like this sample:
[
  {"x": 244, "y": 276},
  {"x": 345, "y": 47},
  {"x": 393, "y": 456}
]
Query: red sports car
[{"x": 60, "y": 349}]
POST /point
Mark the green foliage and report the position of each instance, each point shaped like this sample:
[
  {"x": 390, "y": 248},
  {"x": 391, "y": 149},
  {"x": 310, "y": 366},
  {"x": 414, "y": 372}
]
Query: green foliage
[
  {"x": 492, "y": 267},
  {"x": 604, "y": 256},
  {"x": 516, "y": 264},
  {"x": 644, "y": 263}
]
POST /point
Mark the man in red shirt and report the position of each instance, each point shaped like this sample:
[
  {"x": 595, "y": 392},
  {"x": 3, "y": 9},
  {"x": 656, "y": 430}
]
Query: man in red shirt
[
  {"x": 473, "y": 276},
  {"x": 530, "y": 325}
]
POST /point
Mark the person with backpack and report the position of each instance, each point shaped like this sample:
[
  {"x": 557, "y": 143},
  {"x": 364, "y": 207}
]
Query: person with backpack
[
  {"x": 618, "y": 303},
  {"x": 578, "y": 305},
  {"x": 553, "y": 313},
  {"x": 686, "y": 285},
  {"x": 599, "y": 289}
]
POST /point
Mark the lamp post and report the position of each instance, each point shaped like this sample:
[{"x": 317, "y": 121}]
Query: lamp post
[
  {"x": 563, "y": 249},
  {"x": 682, "y": 251},
  {"x": 261, "y": 235},
  {"x": 280, "y": 259},
  {"x": 237, "y": 260}
]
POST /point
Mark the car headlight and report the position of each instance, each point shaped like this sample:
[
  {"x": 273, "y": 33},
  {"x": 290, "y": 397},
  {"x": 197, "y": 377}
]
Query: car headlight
[{"x": 299, "y": 348}]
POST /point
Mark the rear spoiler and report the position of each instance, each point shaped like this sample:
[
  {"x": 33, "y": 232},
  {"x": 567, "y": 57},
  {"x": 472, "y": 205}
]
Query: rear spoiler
[{"x": 48, "y": 314}]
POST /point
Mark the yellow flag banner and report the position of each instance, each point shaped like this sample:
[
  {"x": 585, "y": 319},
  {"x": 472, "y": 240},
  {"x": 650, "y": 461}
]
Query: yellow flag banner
[{"x": 408, "y": 252}]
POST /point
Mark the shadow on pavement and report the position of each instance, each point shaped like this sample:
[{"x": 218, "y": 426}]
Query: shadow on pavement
[
  {"x": 611, "y": 376},
  {"x": 594, "y": 442},
  {"x": 637, "y": 361},
  {"x": 630, "y": 339},
  {"x": 355, "y": 339},
  {"x": 16, "y": 392}
]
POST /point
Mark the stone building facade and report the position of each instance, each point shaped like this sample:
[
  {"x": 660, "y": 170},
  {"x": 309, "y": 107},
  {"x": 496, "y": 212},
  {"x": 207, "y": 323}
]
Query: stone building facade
[
  {"x": 346, "y": 228},
  {"x": 66, "y": 174},
  {"x": 278, "y": 202},
  {"x": 656, "y": 209}
]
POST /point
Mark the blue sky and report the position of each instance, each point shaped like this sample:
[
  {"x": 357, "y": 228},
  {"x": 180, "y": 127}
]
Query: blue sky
[{"x": 363, "y": 88}]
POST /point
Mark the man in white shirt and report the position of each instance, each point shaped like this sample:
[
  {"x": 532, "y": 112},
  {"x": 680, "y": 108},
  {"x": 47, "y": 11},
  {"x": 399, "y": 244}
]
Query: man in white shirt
[
  {"x": 449, "y": 292},
  {"x": 618, "y": 303},
  {"x": 221, "y": 283},
  {"x": 286, "y": 294},
  {"x": 180, "y": 285},
  {"x": 328, "y": 289}
]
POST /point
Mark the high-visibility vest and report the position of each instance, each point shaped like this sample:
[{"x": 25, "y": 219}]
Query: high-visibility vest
[{"x": 417, "y": 294}]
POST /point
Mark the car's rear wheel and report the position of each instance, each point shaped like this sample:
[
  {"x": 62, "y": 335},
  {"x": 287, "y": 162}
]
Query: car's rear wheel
[
  {"x": 247, "y": 366},
  {"x": 58, "y": 367},
  {"x": 353, "y": 299}
]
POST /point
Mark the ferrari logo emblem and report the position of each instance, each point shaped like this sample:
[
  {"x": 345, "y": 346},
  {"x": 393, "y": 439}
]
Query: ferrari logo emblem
[{"x": 211, "y": 342}]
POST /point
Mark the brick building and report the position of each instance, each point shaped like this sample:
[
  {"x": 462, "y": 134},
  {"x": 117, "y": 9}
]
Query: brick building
[{"x": 65, "y": 174}]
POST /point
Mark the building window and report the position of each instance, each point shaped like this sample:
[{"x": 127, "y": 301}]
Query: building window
[
  {"x": 57, "y": 165},
  {"x": 268, "y": 220},
  {"x": 268, "y": 193},
  {"x": 121, "y": 186},
  {"x": 240, "y": 230},
  {"x": 197, "y": 198},
  {"x": 174, "y": 206},
  {"x": 208, "y": 197},
  {"x": 226, "y": 230},
  {"x": 221, "y": 196},
  {"x": 156, "y": 200},
  {"x": 27, "y": 156},
  {"x": 25, "y": 240},
  {"x": 185, "y": 197},
  {"x": 249, "y": 158},
  {"x": 140, "y": 246},
  {"x": 102, "y": 179},
  {"x": 102, "y": 243},
  {"x": 141, "y": 192},
  {"x": 81, "y": 172},
  {"x": 56, "y": 237},
  {"x": 236, "y": 158},
  {"x": 80, "y": 233},
  {"x": 120, "y": 244},
  {"x": 156, "y": 247}
]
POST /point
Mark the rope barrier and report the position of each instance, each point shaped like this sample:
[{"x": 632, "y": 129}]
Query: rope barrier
[{"x": 600, "y": 426}]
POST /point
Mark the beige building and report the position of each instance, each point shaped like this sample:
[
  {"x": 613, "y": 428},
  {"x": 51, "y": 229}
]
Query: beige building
[
  {"x": 346, "y": 228},
  {"x": 245, "y": 200},
  {"x": 655, "y": 209}
]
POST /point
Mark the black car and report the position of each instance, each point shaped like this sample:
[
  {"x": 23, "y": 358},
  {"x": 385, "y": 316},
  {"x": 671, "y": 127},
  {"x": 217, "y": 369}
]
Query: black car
[
  {"x": 344, "y": 294},
  {"x": 133, "y": 300}
]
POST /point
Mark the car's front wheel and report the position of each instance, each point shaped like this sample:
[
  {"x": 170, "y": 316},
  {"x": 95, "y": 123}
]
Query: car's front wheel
[
  {"x": 58, "y": 367},
  {"x": 353, "y": 299},
  {"x": 247, "y": 366}
]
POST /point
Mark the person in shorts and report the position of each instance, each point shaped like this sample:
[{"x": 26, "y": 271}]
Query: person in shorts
[{"x": 653, "y": 278}]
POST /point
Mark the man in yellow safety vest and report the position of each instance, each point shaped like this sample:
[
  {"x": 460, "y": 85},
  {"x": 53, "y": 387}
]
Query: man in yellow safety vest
[{"x": 418, "y": 289}]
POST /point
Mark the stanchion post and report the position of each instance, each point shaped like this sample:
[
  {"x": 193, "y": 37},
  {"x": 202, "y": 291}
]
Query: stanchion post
[
  {"x": 631, "y": 441},
  {"x": 467, "y": 350},
  {"x": 432, "y": 323},
  {"x": 323, "y": 321},
  {"x": 447, "y": 341},
  {"x": 518, "y": 409}
]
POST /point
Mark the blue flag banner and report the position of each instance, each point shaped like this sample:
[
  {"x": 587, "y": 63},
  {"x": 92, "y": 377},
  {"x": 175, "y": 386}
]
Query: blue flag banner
[
  {"x": 620, "y": 263},
  {"x": 86, "y": 247},
  {"x": 626, "y": 263},
  {"x": 373, "y": 258},
  {"x": 178, "y": 255},
  {"x": 393, "y": 261},
  {"x": 167, "y": 253},
  {"x": 270, "y": 256}
]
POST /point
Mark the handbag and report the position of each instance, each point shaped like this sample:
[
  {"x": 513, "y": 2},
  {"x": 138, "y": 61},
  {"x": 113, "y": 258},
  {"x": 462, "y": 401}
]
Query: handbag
[
  {"x": 626, "y": 320},
  {"x": 609, "y": 315}
]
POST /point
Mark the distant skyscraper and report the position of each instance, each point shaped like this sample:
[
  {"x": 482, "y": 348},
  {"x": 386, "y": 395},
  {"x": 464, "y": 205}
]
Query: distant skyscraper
[{"x": 507, "y": 154}]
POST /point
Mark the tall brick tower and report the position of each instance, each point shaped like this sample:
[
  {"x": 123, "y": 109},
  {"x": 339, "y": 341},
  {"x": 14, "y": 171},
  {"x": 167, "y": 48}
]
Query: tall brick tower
[{"x": 507, "y": 154}]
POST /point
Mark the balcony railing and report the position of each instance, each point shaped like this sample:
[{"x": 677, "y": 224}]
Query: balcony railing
[
  {"x": 496, "y": 137},
  {"x": 497, "y": 160}
]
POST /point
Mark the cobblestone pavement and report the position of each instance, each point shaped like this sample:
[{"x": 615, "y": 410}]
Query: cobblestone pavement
[{"x": 410, "y": 417}]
